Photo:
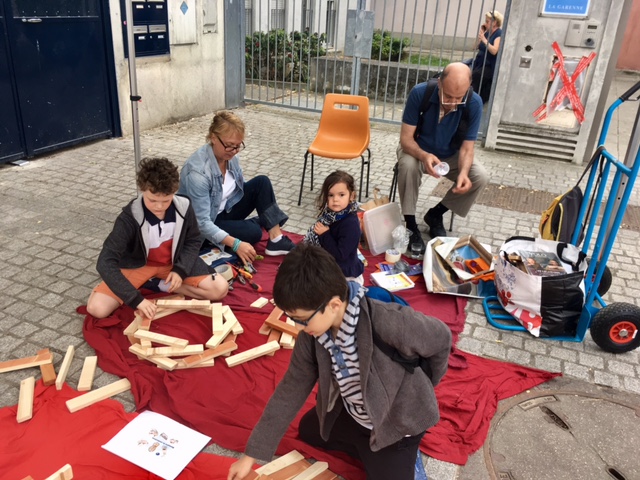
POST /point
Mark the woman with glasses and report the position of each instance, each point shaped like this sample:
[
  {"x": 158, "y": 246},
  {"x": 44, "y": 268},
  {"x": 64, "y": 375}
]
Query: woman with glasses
[
  {"x": 222, "y": 199},
  {"x": 488, "y": 46}
]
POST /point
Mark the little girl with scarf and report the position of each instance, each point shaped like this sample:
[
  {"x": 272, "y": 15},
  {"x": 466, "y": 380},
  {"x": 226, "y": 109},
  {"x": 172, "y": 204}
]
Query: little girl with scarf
[{"x": 337, "y": 229}]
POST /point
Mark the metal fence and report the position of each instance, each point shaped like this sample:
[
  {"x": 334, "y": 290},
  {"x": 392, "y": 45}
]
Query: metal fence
[{"x": 299, "y": 50}]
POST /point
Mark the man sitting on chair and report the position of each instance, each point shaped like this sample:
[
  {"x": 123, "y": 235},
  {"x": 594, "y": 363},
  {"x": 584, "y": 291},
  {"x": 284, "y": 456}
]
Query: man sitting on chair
[{"x": 447, "y": 135}]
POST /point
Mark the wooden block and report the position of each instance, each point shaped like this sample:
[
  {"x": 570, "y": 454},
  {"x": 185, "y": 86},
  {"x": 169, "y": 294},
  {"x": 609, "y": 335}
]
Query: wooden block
[
  {"x": 176, "y": 351},
  {"x": 47, "y": 370},
  {"x": 25, "y": 402},
  {"x": 133, "y": 340},
  {"x": 259, "y": 303},
  {"x": 283, "y": 327},
  {"x": 313, "y": 471},
  {"x": 162, "y": 312},
  {"x": 97, "y": 395},
  {"x": 133, "y": 326},
  {"x": 274, "y": 336},
  {"x": 326, "y": 475},
  {"x": 252, "y": 353},
  {"x": 145, "y": 324},
  {"x": 275, "y": 314},
  {"x": 286, "y": 340},
  {"x": 218, "y": 338},
  {"x": 64, "y": 368},
  {"x": 146, "y": 344},
  {"x": 160, "y": 338},
  {"x": 216, "y": 318},
  {"x": 252, "y": 475},
  {"x": 163, "y": 362},
  {"x": 279, "y": 463},
  {"x": 28, "y": 477},
  {"x": 88, "y": 371},
  {"x": 228, "y": 315},
  {"x": 27, "y": 362},
  {"x": 209, "y": 354},
  {"x": 264, "y": 329},
  {"x": 138, "y": 351},
  {"x": 287, "y": 473},
  {"x": 65, "y": 473},
  {"x": 182, "y": 303},
  {"x": 206, "y": 363}
]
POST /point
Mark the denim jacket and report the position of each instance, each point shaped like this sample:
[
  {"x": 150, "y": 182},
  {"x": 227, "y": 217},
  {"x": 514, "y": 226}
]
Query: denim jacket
[{"x": 201, "y": 180}]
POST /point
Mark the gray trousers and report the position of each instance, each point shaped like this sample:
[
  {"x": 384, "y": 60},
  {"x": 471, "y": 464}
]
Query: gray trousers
[{"x": 410, "y": 172}]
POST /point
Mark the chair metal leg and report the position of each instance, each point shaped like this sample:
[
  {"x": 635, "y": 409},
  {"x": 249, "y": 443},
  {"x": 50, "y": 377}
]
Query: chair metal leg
[
  {"x": 394, "y": 183},
  {"x": 312, "y": 159},
  {"x": 368, "y": 169},
  {"x": 451, "y": 221},
  {"x": 304, "y": 171},
  {"x": 362, "y": 162}
]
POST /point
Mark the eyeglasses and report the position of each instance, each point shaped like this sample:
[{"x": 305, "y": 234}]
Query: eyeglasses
[
  {"x": 452, "y": 101},
  {"x": 316, "y": 311},
  {"x": 231, "y": 148}
]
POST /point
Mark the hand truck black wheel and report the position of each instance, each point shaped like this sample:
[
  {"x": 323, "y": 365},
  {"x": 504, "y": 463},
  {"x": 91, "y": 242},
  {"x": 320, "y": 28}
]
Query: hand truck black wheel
[{"x": 616, "y": 328}]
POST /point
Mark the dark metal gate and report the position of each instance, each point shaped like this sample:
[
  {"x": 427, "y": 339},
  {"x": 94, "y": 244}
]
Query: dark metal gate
[{"x": 54, "y": 76}]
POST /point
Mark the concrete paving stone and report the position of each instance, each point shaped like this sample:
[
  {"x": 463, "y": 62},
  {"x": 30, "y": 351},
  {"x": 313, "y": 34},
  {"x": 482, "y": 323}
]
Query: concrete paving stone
[
  {"x": 20, "y": 260},
  {"x": 544, "y": 362},
  {"x": 519, "y": 356},
  {"x": 8, "y": 343},
  {"x": 470, "y": 345},
  {"x": 79, "y": 293},
  {"x": 49, "y": 300},
  {"x": 14, "y": 289},
  {"x": 58, "y": 286},
  {"x": 10, "y": 395},
  {"x": 486, "y": 334},
  {"x": 494, "y": 350},
  {"x": 620, "y": 368},
  {"x": 31, "y": 294},
  {"x": 512, "y": 339},
  {"x": 44, "y": 337},
  {"x": 589, "y": 360},
  {"x": 68, "y": 273},
  {"x": 632, "y": 384},
  {"x": 438, "y": 470},
  {"x": 578, "y": 371},
  {"x": 63, "y": 341},
  {"x": 559, "y": 352},
  {"x": 15, "y": 307},
  {"x": 535, "y": 346},
  {"x": 55, "y": 320},
  {"x": 607, "y": 379},
  {"x": 36, "y": 315},
  {"x": 7, "y": 322}
]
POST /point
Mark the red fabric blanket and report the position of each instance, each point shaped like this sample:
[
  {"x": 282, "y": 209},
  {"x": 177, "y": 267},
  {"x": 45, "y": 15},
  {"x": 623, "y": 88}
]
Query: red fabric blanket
[
  {"x": 54, "y": 437},
  {"x": 225, "y": 403}
]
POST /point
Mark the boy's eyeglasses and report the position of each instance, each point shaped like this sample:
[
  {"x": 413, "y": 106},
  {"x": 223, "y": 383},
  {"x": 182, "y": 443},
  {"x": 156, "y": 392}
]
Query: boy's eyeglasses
[
  {"x": 316, "y": 311},
  {"x": 231, "y": 148}
]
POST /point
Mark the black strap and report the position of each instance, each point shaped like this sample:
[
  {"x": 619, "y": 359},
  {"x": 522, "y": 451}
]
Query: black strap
[
  {"x": 463, "y": 126},
  {"x": 409, "y": 364}
]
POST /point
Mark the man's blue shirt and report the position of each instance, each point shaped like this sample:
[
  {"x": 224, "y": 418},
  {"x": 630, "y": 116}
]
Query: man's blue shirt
[{"x": 435, "y": 137}]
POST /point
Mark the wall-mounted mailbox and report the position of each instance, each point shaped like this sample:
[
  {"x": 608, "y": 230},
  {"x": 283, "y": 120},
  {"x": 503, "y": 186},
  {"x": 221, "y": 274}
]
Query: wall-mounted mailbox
[{"x": 150, "y": 27}]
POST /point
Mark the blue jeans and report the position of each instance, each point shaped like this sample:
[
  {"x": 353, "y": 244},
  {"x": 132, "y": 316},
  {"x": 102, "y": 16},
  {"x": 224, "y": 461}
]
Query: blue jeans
[{"x": 259, "y": 196}]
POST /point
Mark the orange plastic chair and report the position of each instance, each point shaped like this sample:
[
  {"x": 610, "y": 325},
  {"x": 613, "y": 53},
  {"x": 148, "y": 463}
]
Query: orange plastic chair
[{"x": 343, "y": 134}]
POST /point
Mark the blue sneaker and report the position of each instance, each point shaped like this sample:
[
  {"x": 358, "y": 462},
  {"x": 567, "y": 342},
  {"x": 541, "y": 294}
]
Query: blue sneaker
[{"x": 281, "y": 247}]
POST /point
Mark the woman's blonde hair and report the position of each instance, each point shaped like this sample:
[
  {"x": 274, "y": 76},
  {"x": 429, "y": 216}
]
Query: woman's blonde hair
[
  {"x": 497, "y": 17},
  {"x": 224, "y": 122}
]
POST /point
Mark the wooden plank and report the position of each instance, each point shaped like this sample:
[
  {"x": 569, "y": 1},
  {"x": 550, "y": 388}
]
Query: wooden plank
[
  {"x": 274, "y": 336},
  {"x": 146, "y": 344},
  {"x": 287, "y": 473},
  {"x": 287, "y": 340},
  {"x": 138, "y": 351},
  {"x": 206, "y": 363},
  {"x": 216, "y": 318},
  {"x": 25, "y": 401},
  {"x": 210, "y": 353},
  {"x": 65, "y": 473},
  {"x": 218, "y": 338},
  {"x": 160, "y": 338},
  {"x": 313, "y": 471},
  {"x": 133, "y": 326},
  {"x": 64, "y": 368},
  {"x": 283, "y": 327},
  {"x": 163, "y": 362},
  {"x": 182, "y": 303},
  {"x": 228, "y": 315},
  {"x": 87, "y": 374},
  {"x": 47, "y": 370},
  {"x": 260, "y": 302},
  {"x": 162, "y": 312},
  {"x": 145, "y": 324},
  {"x": 27, "y": 362},
  {"x": 326, "y": 475},
  {"x": 176, "y": 351},
  {"x": 98, "y": 395},
  {"x": 252, "y": 353},
  {"x": 279, "y": 463}
]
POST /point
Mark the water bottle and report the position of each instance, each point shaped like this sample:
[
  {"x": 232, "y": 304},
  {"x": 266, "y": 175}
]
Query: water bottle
[{"x": 441, "y": 169}]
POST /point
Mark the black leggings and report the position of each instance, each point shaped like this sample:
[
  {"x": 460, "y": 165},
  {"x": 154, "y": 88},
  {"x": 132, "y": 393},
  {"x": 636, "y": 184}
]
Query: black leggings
[{"x": 396, "y": 461}]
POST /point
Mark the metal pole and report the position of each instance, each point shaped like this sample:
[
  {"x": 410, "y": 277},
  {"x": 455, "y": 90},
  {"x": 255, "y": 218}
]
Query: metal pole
[
  {"x": 133, "y": 83},
  {"x": 357, "y": 61}
]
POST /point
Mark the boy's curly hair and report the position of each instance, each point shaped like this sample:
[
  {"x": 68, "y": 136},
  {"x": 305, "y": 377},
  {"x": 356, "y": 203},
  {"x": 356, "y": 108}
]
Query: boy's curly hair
[{"x": 158, "y": 175}]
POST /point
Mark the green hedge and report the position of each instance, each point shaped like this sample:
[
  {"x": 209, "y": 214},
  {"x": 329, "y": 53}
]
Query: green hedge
[{"x": 385, "y": 47}]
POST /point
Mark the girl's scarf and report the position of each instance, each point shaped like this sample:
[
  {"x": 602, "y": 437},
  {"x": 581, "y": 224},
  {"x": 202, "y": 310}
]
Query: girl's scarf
[{"x": 328, "y": 217}]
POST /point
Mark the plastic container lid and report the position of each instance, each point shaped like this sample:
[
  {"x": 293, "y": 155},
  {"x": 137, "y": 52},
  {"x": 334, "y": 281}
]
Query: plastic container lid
[{"x": 378, "y": 225}]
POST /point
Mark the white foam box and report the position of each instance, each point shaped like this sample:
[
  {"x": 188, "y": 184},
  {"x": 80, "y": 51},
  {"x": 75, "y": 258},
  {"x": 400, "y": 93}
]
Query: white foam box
[{"x": 379, "y": 222}]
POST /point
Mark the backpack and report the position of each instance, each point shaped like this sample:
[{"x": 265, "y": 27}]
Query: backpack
[
  {"x": 409, "y": 364},
  {"x": 559, "y": 220},
  {"x": 463, "y": 126}
]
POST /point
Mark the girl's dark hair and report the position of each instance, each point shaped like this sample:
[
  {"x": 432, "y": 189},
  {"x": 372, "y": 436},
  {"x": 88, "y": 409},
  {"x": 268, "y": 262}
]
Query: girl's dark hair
[
  {"x": 338, "y": 176},
  {"x": 307, "y": 278},
  {"x": 158, "y": 175}
]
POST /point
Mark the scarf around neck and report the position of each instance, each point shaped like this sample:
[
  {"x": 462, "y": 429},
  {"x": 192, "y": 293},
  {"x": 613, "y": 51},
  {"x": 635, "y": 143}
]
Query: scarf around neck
[{"x": 328, "y": 217}]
